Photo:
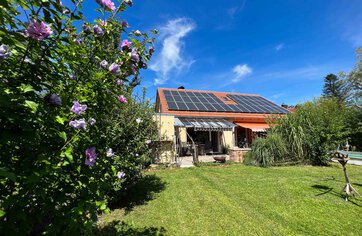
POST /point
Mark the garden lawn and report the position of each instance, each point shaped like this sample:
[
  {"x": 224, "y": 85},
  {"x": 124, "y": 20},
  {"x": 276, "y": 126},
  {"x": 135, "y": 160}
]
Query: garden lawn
[{"x": 240, "y": 200}]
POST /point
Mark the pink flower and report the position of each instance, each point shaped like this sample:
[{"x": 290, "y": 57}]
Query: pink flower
[
  {"x": 103, "y": 22},
  {"x": 125, "y": 44},
  {"x": 122, "y": 99},
  {"x": 90, "y": 156},
  {"x": 38, "y": 31},
  {"x": 107, "y": 3}
]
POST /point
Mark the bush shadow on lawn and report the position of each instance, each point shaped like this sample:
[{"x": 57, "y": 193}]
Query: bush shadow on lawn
[
  {"x": 122, "y": 228},
  {"x": 139, "y": 193}
]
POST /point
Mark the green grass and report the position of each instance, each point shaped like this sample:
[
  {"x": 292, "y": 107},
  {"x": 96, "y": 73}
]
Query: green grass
[{"x": 240, "y": 200}]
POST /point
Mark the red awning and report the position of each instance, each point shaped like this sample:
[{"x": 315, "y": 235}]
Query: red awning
[{"x": 255, "y": 127}]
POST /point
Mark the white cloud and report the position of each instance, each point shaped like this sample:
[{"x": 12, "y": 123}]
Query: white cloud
[
  {"x": 233, "y": 11},
  {"x": 279, "y": 47},
  {"x": 170, "y": 57},
  {"x": 241, "y": 71}
]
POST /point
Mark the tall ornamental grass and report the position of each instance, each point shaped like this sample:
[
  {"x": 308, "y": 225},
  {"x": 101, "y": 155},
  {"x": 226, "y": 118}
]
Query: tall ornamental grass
[{"x": 305, "y": 136}]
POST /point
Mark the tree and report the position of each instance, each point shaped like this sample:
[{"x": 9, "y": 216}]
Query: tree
[
  {"x": 355, "y": 80},
  {"x": 336, "y": 88}
]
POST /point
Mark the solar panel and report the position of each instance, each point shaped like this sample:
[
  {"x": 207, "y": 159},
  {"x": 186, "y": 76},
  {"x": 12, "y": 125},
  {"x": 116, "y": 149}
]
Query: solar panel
[
  {"x": 203, "y": 101},
  {"x": 256, "y": 104}
]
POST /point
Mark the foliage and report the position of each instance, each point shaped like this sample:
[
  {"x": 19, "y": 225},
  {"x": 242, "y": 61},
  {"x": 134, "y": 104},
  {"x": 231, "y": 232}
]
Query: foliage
[
  {"x": 267, "y": 151},
  {"x": 354, "y": 125},
  {"x": 235, "y": 199},
  {"x": 336, "y": 88},
  {"x": 304, "y": 136},
  {"x": 355, "y": 80},
  {"x": 71, "y": 134}
]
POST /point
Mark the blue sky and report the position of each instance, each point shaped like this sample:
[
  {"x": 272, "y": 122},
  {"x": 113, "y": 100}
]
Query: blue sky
[{"x": 279, "y": 49}]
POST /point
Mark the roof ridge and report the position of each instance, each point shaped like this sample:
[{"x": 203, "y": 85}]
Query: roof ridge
[{"x": 208, "y": 91}]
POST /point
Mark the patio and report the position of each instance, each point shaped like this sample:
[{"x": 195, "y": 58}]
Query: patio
[{"x": 187, "y": 160}]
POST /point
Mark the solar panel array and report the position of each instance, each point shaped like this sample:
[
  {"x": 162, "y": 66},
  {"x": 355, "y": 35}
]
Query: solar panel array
[{"x": 196, "y": 101}]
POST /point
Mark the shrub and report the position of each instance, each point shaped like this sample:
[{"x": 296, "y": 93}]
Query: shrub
[
  {"x": 305, "y": 136},
  {"x": 69, "y": 133}
]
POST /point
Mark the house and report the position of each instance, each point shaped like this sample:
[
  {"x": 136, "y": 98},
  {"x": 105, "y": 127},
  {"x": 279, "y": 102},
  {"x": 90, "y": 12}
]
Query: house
[{"x": 210, "y": 121}]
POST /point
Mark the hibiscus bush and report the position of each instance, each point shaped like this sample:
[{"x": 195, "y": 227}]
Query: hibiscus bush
[{"x": 71, "y": 132}]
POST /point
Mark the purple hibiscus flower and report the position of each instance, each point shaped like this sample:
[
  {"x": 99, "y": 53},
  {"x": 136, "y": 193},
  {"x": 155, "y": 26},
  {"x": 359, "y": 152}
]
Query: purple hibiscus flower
[
  {"x": 109, "y": 152},
  {"x": 98, "y": 30},
  {"x": 78, "y": 108},
  {"x": 4, "y": 52},
  {"x": 90, "y": 156},
  {"x": 133, "y": 68},
  {"x": 119, "y": 82},
  {"x": 86, "y": 28},
  {"x": 107, "y": 4},
  {"x": 121, "y": 175},
  {"x": 91, "y": 121},
  {"x": 125, "y": 24},
  {"x": 104, "y": 64},
  {"x": 38, "y": 31},
  {"x": 78, "y": 124},
  {"x": 134, "y": 56},
  {"x": 122, "y": 99},
  {"x": 114, "y": 69},
  {"x": 151, "y": 49},
  {"x": 54, "y": 100}
]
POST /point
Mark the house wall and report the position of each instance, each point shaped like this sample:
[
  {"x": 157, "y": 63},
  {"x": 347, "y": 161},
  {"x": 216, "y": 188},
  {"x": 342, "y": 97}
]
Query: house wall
[
  {"x": 228, "y": 140},
  {"x": 166, "y": 145}
]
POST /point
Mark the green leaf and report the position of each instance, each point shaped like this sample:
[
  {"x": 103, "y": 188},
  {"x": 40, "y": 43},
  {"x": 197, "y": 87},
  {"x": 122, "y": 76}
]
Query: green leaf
[
  {"x": 103, "y": 207},
  {"x": 26, "y": 88},
  {"x": 68, "y": 154},
  {"x": 2, "y": 213},
  {"x": 63, "y": 135},
  {"x": 32, "y": 105},
  {"x": 114, "y": 170},
  {"x": 60, "y": 120},
  {"x": 5, "y": 172}
]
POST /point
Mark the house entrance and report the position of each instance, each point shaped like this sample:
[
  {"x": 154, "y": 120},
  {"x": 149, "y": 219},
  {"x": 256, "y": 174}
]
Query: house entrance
[{"x": 208, "y": 142}]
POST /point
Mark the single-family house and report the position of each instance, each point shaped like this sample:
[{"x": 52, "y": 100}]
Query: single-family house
[{"x": 211, "y": 121}]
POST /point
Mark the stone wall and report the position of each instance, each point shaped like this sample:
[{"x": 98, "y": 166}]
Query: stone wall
[{"x": 237, "y": 154}]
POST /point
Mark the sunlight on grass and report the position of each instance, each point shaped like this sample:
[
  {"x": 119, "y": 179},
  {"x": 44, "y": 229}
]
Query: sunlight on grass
[{"x": 244, "y": 200}]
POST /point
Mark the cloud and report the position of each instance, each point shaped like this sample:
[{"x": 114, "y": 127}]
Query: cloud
[
  {"x": 241, "y": 71},
  {"x": 278, "y": 95},
  {"x": 356, "y": 39},
  {"x": 233, "y": 11},
  {"x": 307, "y": 72},
  {"x": 170, "y": 58},
  {"x": 279, "y": 47}
]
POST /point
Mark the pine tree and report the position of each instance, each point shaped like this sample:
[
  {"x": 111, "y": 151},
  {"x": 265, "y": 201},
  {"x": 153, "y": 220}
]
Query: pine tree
[{"x": 335, "y": 88}]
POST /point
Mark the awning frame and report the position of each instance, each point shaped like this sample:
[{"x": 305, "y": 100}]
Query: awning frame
[{"x": 204, "y": 124}]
